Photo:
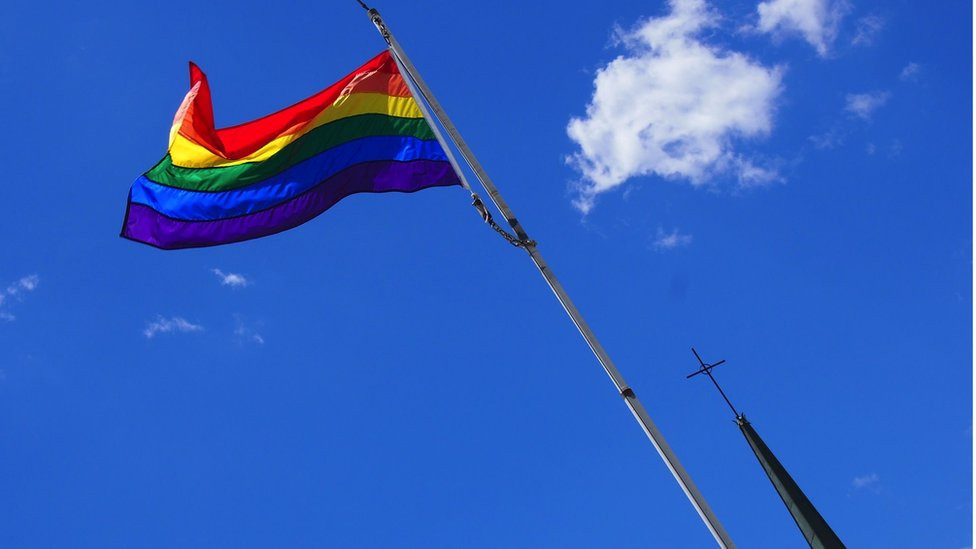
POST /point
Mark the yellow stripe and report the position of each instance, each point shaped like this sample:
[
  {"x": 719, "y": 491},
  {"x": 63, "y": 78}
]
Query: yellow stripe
[{"x": 188, "y": 154}]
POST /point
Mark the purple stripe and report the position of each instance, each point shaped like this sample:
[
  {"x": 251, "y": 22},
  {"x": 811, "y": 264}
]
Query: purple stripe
[{"x": 146, "y": 225}]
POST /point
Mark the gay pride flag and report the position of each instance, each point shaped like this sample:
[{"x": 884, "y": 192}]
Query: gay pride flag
[{"x": 365, "y": 133}]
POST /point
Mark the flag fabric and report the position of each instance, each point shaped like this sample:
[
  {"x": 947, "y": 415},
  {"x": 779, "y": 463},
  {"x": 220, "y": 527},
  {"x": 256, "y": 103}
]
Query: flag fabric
[{"x": 365, "y": 133}]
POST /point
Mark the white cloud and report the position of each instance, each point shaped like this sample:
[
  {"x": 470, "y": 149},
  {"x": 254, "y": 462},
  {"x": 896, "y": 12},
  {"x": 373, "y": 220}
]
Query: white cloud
[
  {"x": 867, "y": 30},
  {"x": 816, "y": 21},
  {"x": 870, "y": 481},
  {"x": 168, "y": 325},
  {"x": 910, "y": 72},
  {"x": 669, "y": 241},
  {"x": 672, "y": 106},
  {"x": 17, "y": 288},
  {"x": 863, "y": 105},
  {"x": 234, "y": 280}
]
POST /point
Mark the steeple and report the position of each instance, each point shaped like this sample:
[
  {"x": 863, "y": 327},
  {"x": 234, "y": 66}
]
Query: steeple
[{"x": 812, "y": 525}]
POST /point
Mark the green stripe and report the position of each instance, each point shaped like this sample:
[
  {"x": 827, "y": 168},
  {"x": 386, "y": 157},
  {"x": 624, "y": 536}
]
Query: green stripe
[{"x": 314, "y": 142}]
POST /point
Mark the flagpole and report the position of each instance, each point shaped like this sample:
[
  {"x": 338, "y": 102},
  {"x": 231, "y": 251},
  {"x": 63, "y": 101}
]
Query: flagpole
[{"x": 523, "y": 241}]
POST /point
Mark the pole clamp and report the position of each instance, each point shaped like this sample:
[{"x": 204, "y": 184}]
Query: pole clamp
[{"x": 374, "y": 16}]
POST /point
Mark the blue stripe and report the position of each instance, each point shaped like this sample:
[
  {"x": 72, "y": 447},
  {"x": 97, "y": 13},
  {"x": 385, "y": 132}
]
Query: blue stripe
[{"x": 200, "y": 205}]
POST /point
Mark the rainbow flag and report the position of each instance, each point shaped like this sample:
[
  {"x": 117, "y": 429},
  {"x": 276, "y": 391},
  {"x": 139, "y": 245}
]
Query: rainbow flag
[{"x": 365, "y": 133}]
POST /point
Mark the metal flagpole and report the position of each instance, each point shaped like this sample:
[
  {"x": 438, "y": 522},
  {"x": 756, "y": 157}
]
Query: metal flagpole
[{"x": 523, "y": 241}]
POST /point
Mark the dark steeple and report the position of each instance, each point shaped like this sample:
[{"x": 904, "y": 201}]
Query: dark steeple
[{"x": 812, "y": 525}]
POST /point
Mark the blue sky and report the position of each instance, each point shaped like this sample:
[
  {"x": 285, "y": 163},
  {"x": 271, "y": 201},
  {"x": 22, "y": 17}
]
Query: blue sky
[{"x": 784, "y": 185}]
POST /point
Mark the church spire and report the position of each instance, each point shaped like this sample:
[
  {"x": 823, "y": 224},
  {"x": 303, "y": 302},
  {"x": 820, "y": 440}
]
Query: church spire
[{"x": 812, "y": 525}]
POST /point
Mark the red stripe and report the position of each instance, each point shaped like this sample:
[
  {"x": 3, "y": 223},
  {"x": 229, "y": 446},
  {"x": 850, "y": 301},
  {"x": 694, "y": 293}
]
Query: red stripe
[
  {"x": 243, "y": 139},
  {"x": 198, "y": 123}
]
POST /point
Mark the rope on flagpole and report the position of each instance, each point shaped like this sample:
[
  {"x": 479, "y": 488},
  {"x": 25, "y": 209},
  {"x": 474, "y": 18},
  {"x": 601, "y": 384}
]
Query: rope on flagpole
[{"x": 486, "y": 216}]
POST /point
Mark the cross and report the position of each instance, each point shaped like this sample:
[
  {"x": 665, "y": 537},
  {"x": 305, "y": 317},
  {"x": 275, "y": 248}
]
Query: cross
[{"x": 707, "y": 370}]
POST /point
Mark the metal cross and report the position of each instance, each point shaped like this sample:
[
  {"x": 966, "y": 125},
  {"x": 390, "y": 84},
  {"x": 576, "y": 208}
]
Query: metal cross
[{"x": 707, "y": 370}]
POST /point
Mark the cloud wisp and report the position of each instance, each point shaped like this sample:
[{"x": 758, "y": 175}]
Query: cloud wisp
[
  {"x": 830, "y": 139},
  {"x": 867, "y": 30},
  {"x": 234, "y": 280},
  {"x": 817, "y": 21},
  {"x": 25, "y": 284},
  {"x": 673, "y": 106},
  {"x": 910, "y": 72},
  {"x": 245, "y": 333},
  {"x": 863, "y": 105},
  {"x": 871, "y": 482},
  {"x": 18, "y": 288},
  {"x": 174, "y": 324},
  {"x": 670, "y": 240}
]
